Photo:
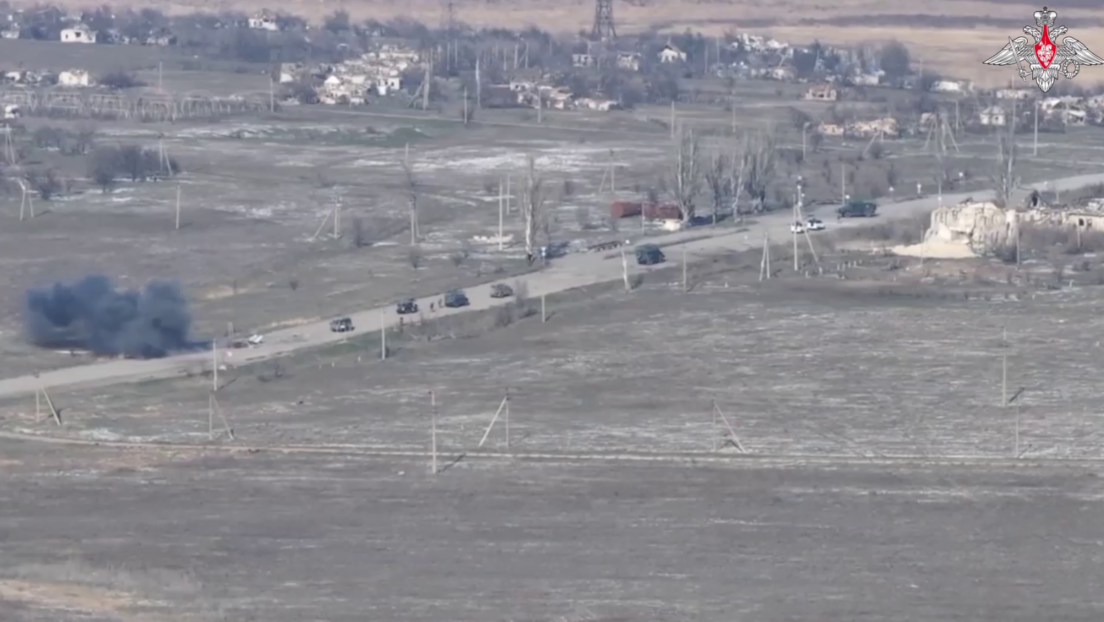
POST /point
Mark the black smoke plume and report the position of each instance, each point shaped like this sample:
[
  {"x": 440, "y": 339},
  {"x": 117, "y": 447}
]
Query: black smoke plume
[{"x": 91, "y": 314}]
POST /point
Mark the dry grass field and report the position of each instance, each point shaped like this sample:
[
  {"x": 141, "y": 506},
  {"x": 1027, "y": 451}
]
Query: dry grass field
[
  {"x": 207, "y": 537},
  {"x": 950, "y": 37}
]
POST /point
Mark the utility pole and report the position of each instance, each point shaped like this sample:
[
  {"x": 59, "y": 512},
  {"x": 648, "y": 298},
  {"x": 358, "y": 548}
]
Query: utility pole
[
  {"x": 764, "y": 263},
  {"x": 433, "y": 428},
  {"x": 214, "y": 366},
  {"x": 843, "y": 184},
  {"x": 271, "y": 95},
  {"x": 507, "y": 420},
  {"x": 672, "y": 122},
  {"x": 426, "y": 86},
  {"x": 544, "y": 314},
  {"x": 501, "y": 213},
  {"x": 794, "y": 226},
  {"x": 178, "y": 207},
  {"x": 684, "y": 280},
  {"x": 337, "y": 220},
  {"x": 478, "y": 87},
  {"x": 1035, "y": 144},
  {"x": 383, "y": 336},
  {"x": 160, "y": 81},
  {"x": 465, "y": 106}
]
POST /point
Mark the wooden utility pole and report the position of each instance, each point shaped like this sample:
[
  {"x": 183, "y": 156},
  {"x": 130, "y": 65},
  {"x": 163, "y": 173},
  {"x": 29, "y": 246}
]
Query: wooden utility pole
[
  {"x": 337, "y": 220},
  {"x": 672, "y": 121},
  {"x": 1035, "y": 143},
  {"x": 41, "y": 393},
  {"x": 271, "y": 95},
  {"x": 544, "y": 315},
  {"x": 160, "y": 80},
  {"x": 178, "y": 207},
  {"x": 465, "y": 105},
  {"x": 433, "y": 431}
]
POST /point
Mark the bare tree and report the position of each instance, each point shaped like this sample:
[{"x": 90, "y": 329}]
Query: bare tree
[
  {"x": 412, "y": 195},
  {"x": 760, "y": 155},
  {"x": 723, "y": 179},
  {"x": 532, "y": 204},
  {"x": 1004, "y": 177},
  {"x": 686, "y": 181}
]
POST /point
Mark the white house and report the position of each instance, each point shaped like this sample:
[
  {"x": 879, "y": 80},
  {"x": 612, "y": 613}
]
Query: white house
[
  {"x": 671, "y": 54},
  {"x": 74, "y": 77},
  {"x": 950, "y": 86},
  {"x": 264, "y": 21},
  {"x": 78, "y": 34},
  {"x": 1014, "y": 94},
  {"x": 12, "y": 111},
  {"x": 992, "y": 116},
  {"x": 388, "y": 84},
  {"x": 582, "y": 60},
  {"x": 629, "y": 61}
]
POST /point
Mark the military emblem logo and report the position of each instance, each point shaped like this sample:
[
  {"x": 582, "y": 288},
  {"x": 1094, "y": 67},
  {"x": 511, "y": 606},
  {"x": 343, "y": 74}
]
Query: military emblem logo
[{"x": 1046, "y": 58}]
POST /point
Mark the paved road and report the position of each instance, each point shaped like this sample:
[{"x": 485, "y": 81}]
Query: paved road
[{"x": 566, "y": 273}]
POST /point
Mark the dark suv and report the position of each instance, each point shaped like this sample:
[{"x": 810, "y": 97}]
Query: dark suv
[
  {"x": 341, "y": 325},
  {"x": 649, "y": 254},
  {"x": 406, "y": 307},
  {"x": 456, "y": 298},
  {"x": 857, "y": 209}
]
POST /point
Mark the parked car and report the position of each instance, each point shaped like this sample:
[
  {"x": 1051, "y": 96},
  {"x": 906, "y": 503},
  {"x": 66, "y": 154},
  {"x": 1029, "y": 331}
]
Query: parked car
[
  {"x": 341, "y": 325},
  {"x": 857, "y": 209},
  {"x": 797, "y": 227},
  {"x": 814, "y": 224},
  {"x": 501, "y": 290},
  {"x": 406, "y": 307},
  {"x": 255, "y": 339},
  {"x": 456, "y": 298},
  {"x": 649, "y": 254}
]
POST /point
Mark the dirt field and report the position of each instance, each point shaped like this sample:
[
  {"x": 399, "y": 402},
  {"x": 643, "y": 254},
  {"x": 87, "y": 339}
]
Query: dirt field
[{"x": 135, "y": 536}]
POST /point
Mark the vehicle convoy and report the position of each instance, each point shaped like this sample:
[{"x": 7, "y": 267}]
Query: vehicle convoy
[
  {"x": 649, "y": 254},
  {"x": 501, "y": 290},
  {"x": 456, "y": 298},
  {"x": 341, "y": 325},
  {"x": 406, "y": 307},
  {"x": 857, "y": 209}
]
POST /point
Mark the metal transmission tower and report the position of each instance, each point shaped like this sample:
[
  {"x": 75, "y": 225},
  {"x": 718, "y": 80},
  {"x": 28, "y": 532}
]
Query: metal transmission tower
[{"x": 603, "y": 21}]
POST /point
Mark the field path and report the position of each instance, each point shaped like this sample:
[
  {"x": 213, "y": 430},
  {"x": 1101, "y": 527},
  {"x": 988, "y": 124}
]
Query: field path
[{"x": 574, "y": 271}]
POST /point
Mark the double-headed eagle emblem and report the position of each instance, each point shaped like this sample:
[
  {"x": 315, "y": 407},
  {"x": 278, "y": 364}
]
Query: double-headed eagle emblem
[{"x": 1046, "y": 58}]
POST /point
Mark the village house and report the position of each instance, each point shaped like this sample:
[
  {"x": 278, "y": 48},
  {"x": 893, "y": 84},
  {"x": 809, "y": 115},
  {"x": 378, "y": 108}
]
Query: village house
[
  {"x": 1089, "y": 216},
  {"x": 582, "y": 60},
  {"x": 671, "y": 54},
  {"x": 12, "y": 111},
  {"x": 162, "y": 38},
  {"x": 264, "y": 20},
  {"x": 886, "y": 128},
  {"x": 291, "y": 72},
  {"x": 522, "y": 86},
  {"x": 629, "y": 61},
  {"x": 822, "y": 92},
  {"x": 603, "y": 105},
  {"x": 78, "y": 34},
  {"x": 866, "y": 79},
  {"x": 1014, "y": 93},
  {"x": 993, "y": 116},
  {"x": 781, "y": 74},
  {"x": 74, "y": 77},
  {"x": 830, "y": 129},
  {"x": 951, "y": 86}
]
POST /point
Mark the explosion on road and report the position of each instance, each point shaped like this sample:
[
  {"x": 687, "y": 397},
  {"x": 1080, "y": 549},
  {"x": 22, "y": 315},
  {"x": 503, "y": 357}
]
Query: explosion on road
[{"x": 91, "y": 314}]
